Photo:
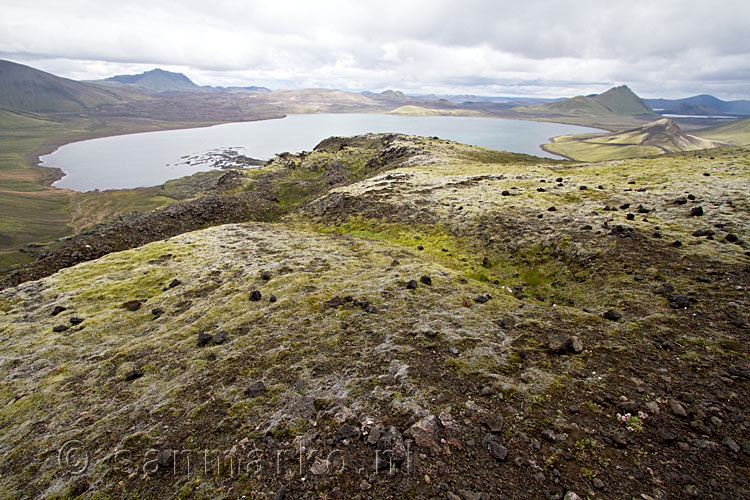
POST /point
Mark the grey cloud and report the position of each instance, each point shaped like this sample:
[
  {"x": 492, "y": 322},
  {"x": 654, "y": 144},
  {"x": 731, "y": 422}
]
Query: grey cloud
[{"x": 572, "y": 46}]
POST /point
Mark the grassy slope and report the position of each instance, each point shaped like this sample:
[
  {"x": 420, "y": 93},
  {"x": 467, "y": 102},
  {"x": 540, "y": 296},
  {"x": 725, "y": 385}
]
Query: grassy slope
[
  {"x": 661, "y": 136},
  {"x": 32, "y": 212},
  {"x": 736, "y": 132},
  {"x": 423, "y": 352},
  {"x": 30, "y": 90}
]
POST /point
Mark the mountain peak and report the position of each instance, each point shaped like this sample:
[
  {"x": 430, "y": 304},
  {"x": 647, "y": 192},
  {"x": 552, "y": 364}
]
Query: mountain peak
[{"x": 156, "y": 80}]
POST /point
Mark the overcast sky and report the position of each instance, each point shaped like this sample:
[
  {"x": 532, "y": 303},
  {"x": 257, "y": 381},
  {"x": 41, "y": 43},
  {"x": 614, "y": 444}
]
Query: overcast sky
[{"x": 661, "y": 48}]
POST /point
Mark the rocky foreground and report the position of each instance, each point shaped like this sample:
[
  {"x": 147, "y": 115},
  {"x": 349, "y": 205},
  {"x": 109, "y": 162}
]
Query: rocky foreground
[{"x": 422, "y": 319}]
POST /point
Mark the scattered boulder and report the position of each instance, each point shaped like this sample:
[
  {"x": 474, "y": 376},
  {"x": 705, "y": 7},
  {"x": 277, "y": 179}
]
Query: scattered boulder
[
  {"x": 426, "y": 280},
  {"x": 174, "y": 283},
  {"x": 492, "y": 444},
  {"x": 696, "y": 211},
  {"x": 335, "y": 302},
  {"x": 679, "y": 302},
  {"x": 677, "y": 408},
  {"x": 165, "y": 458},
  {"x": 411, "y": 285},
  {"x": 272, "y": 298},
  {"x": 612, "y": 315},
  {"x": 59, "y": 328},
  {"x": 391, "y": 447},
  {"x": 481, "y": 299},
  {"x": 133, "y": 374},
  {"x": 425, "y": 432},
  {"x": 256, "y": 389},
  {"x": 220, "y": 337},
  {"x": 265, "y": 275},
  {"x": 203, "y": 338},
  {"x": 132, "y": 305},
  {"x": 75, "y": 320},
  {"x": 58, "y": 309},
  {"x": 255, "y": 295}
]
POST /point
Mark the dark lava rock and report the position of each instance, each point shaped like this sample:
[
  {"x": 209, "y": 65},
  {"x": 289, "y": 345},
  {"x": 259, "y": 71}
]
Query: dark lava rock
[
  {"x": 559, "y": 179},
  {"x": 335, "y": 302},
  {"x": 211, "y": 356},
  {"x": 587, "y": 227},
  {"x": 731, "y": 238},
  {"x": 420, "y": 247},
  {"x": 255, "y": 295},
  {"x": 174, "y": 283},
  {"x": 548, "y": 435},
  {"x": 59, "y": 328},
  {"x": 348, "y": 431},
  {"x": 680, "y": 201},
  {"x": 630, "y": 216},
  {"x": 676, "y": 243},
  {"x": 272, "y": 298},
  {"x": 667, "y": 435},
  {"x": 492, "y": 444},
  {"x": 164, "y": 458},
  {"x": 664, "y": 289},
  {"x": 265, "y": 276},
  {"x": 612, "y": 315},
  {"x": 411, "y": 285},
  {"x": 540, "y": 189},
  {"x": 622, "y": 231},
  {"x": 624, "y": 206},
  {"x": 505, "y": 193},
  {"x": 371, "y": 309},
  {"x": 157, "y": 311},
  {"x": 678, "y": 302},
  {"x": 132, "y": 305},
  {"x": 691, "y": 197},
  {"x": 76, "y": 321},
  {"x": 643, "y": 210},
  {"x": 392, "y": 448},
  {"x": 696, "y": 211},
  {"x": 203, "y": 338},
  {"x": 486, "y": 262},
  {"x": 731, "y": 444},
  {"x": 130, "y": 376},
  {"x": 58, "y": 309},
  {"x": 551, "y": 209},
  {"x": 395, "y": 263},
  {"x": 582, "y": 188},
  {"x": 481, "y": 299},
  {"x": 426, "y": 280},
  {"x": 220, "y": 337},
  {"x": 698, "y": 233},
  {"x": 256, "y": 389},
  {"x": 558, "y": 343}
]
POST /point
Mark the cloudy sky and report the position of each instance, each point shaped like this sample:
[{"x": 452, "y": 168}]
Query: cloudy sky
[{"x": 661, "y": 48}]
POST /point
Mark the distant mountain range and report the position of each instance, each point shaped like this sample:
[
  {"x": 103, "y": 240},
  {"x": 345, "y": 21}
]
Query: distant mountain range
[
  {"x": 26, "y": 89},
  {"x": 158, "y": 80},
  {"x": 704, "y": 105}
]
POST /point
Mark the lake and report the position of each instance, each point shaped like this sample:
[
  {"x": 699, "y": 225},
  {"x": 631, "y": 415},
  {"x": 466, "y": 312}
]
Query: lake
[{"x": 151, "y": 158}]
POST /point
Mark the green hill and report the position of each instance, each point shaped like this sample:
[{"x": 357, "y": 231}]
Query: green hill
[
  {"x": 660, "y": 136},
  {"x": 736, "y": 132},
  {"x": 30, "y": 90},
  {"x": 616, "y": 101}
]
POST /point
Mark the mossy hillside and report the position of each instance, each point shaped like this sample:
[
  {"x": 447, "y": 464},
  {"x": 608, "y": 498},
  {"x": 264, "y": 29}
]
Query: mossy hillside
[
  {"x": 219, "y": 267},
  {"x": 429, "y": 350}
]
